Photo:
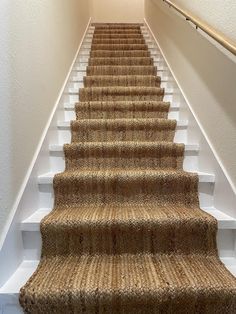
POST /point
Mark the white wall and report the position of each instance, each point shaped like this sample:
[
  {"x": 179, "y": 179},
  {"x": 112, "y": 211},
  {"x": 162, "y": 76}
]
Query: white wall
[
  {"x": 117, "y": 11},
  {"x": 206, "y": 76},
  {"x": 37, "y": 45},
  {"x": 219, "y": 14}
]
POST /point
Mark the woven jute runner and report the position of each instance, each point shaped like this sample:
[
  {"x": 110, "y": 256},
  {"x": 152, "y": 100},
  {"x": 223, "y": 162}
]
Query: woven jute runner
[{"x": 126, "y": 234}]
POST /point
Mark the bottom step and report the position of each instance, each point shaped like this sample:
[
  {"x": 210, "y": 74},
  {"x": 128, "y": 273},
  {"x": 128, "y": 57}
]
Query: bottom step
[{"x": 9, "y": 293}]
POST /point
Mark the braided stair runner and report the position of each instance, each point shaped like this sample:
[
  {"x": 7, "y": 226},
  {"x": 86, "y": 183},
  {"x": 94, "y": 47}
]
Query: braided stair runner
[{"x": 126, "y": 234}]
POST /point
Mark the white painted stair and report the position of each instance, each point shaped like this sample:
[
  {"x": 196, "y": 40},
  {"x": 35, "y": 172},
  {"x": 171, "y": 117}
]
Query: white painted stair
[{"x": 21, "y": 252}]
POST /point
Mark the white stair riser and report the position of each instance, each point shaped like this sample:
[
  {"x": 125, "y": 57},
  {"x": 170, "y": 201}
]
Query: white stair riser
[
  {"x": 89, "y": 38},
  {"x": 150, "y": 46},
  {"x": 86, "y": 49},
  {"x": 57, "y": 161},
  {"x": 70, "y": 115},
  {"x": 11, "y": 308},
  {"x": 159, "y": 64},
  {"x": 64, "y": 136},
  {"x": 32, "y": 244},
  {"x": 66, "y": 108},
  {"x": 142, "y": 27},
  {"x": 79, "y": 75},
  {"x": 88, "y": 42},
  {"x": 85, "y": 53},
  {"x": 205, "y": 194},
  {"x": 84, "y": 61},
  {"x": 144, "y": 32},
  {"x": 73, "y": 87},
  {"x": 225, "y": 222},
  {"x": 72, "y": 98}
]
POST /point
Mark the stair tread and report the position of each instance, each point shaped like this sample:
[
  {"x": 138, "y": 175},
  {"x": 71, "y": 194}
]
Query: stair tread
[
  {"x": 168, "y": 91},
  {"x": 72, "y": 107},
  {"x": 224, "y": 221},
  {"x": 19, "y": 278},
  {"x": 66, "y": 124},
  {"x": 47, "y": 178},
  {"x": 59, "y": 147},
  {"x": 10, "y": 290}
]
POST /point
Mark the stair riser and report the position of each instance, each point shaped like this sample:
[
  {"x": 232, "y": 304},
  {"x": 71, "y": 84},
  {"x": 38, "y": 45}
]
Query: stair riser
[
  {"x": 71, "y": 108},
  {"x": 33, "y": 243},
  {"x": 87, "y": 47},
  {"x": 148, "y": 41},
  {"x": 205, "y": 194},
  {"x": 164, "y": 75},
  {"x": 142, "y": 27},
  {"x": 57, "y": 161},
  {"x": 65, "y": 135},
  {"x": 85, "y": 60},
  {"x": 11, "y": 308},
  {"x": 144, "y": 30},
  {"x": 70, "y": 115},
  {"x": 92, "y": 28},
  {"x": 89, "y": 37},
  {"x": 74, "y": 87},
  {"x": 85, "y": 52},
  {"x": 160, "y": 67},
  {"x": 72, "y": 98},
  {"x": 150, "y": 45}
]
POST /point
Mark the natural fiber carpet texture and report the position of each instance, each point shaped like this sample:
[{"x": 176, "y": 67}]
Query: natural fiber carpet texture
[{"x": 126, "y": 234}]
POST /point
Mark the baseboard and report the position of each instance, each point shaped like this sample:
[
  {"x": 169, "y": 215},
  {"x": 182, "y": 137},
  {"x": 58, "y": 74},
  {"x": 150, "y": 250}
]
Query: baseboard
[
  {"x": 39, "y": 146},
  {"x": 193, "y": 113}
]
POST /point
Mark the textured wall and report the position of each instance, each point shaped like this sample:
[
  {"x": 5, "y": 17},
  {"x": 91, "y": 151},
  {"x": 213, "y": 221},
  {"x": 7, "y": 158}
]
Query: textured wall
[
  {"x": 217, "y": 13},
  {"x": 117, "y": 10},
  {"x": 206, "y": 76},
  {"x": 37, "y": 44}
]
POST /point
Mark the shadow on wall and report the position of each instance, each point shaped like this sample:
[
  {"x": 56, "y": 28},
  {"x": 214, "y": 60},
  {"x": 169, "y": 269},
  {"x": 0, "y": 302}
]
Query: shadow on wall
[
  {"x": 205, "y": 74},
  {"x": 117, "y": 11},
  {"x": 8, "y": 103},
  {"x": 38, "y": 42}
]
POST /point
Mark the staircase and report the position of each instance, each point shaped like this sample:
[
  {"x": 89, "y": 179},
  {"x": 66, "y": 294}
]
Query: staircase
[{"x": 136, "y": 270}]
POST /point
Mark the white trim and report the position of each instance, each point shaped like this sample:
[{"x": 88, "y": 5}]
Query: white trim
[
  {"x": 23, "y": 186},
  {"x": 192, "y": 111}
]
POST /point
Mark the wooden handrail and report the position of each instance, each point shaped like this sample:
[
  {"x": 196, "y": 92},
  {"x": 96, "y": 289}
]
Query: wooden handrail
[{"x": 223, "y": 41}]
